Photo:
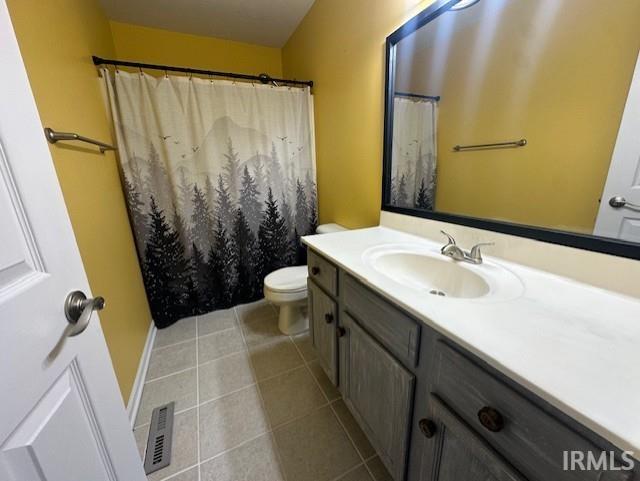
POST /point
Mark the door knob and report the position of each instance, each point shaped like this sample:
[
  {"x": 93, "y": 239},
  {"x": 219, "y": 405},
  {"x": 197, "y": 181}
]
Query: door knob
[
  {"x": 619, "y": 201},
  {"x": 78, "y": 310}
]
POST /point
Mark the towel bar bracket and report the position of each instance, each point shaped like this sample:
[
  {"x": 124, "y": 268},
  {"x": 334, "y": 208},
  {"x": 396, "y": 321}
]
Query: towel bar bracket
[{"x": 53, "y": 137}]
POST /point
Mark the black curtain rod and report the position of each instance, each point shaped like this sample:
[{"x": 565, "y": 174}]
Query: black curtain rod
[
  {"x": 417, "y": 96},
  {"x": 263, "y": 77}
]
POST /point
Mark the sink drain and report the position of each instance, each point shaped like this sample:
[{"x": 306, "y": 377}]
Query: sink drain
[{"x": 436, "y": 292}]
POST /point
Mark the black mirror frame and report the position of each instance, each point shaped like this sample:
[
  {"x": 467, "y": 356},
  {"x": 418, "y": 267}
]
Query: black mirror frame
[{"x": 605, "y": 245}]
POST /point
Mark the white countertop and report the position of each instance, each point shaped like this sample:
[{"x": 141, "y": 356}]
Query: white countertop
[{"x": 574, "y": 345}]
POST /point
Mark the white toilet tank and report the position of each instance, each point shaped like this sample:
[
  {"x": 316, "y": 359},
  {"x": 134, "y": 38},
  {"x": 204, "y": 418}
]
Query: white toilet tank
[{"x": 329, "y": 228}]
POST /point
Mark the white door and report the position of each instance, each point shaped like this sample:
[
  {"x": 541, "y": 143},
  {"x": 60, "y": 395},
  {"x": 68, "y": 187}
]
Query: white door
[
  {"x": 619, "y": 214},
  {"x": 61, "y": 419}
]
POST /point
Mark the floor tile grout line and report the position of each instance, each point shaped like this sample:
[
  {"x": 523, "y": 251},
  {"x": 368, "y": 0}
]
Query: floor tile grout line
[
  {"x": 173, "y": 344},
  {"x": 350, "y": 470},
  {"x": 255, "y": 383},
  {"x": 243, "y": 350},
  {"x": 235, "y": 326},
  {"x": 227, "y": 394},
  {"x": 262, "y": 403},
  {"x": 191, "y": 339},
  {"x": 281, "y": 373},
  {"x": 352, "y": 441},
  {"x": 160, "y": 378},
  {"x": 175, "y": 413},
  {"x": 355, "y": 447},
  {"x": 178, "y": 473},
  {"x": 197, "y": 400},
  {"x": 232, "y": 448},
  {"x": 306, "y": 364}
]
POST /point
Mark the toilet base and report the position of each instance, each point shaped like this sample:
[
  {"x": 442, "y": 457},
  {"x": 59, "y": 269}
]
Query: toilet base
[{"x": 292, "y": 318}]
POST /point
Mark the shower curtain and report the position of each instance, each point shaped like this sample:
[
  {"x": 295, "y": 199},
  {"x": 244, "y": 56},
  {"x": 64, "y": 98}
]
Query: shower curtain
[
  {"x": 413, "y": 156},
  {"x": 219, "y": 178}
]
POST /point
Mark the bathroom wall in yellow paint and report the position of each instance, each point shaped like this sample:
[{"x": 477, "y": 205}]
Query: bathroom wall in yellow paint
[
  {"x": 556, "y": 74},
  {"x": 340, "y": 46},
  {"x": 152, "y": 45},
  {"x": 57, "y": 39}
]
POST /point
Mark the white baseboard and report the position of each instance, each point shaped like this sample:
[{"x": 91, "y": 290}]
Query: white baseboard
[{"x": 138, "y": 383}]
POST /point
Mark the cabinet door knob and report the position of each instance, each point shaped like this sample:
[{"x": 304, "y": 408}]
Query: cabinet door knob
[
  {"x": 491, "y": 419},
  {"x": 428, "y": 427},
  {"x": 315, "y": 270},
  {"x": 341, "y": 331},
  {"x": 328, "y": 317}
]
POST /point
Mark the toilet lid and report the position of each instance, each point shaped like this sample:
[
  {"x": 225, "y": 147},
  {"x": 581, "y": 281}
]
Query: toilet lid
[{"x": 287, "y": 279}]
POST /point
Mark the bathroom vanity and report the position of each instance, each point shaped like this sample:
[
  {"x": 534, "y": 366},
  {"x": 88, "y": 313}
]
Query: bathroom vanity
[{"x": 461, "y": 372}]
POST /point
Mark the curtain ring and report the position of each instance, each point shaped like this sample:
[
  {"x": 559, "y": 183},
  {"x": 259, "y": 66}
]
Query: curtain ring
[
  {"x": 190, "y": 76},
  {"x": 141, "y": 73},
  {"x": 117, "y": 69},
  {"x": 166, "y": 74}
]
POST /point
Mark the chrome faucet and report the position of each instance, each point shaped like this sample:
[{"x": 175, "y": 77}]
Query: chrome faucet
[{"x": 452, "y": 250}]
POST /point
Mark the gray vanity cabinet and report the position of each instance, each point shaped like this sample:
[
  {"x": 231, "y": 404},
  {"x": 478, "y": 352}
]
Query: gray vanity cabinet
[
  {"x": 379, "y": 392},
  {"x": 323, "y": 317},
  {"x": 455, "y": 452},
  {"x": 432, "y": 410}
]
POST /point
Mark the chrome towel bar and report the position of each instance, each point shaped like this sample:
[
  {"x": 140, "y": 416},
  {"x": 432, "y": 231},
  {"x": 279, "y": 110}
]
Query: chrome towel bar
[
  {"x": 497, "y": 145},
  {"x": 53, "y": 137}
]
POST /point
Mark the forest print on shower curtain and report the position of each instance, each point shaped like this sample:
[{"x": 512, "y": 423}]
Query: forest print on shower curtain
[
  {"x": 219, "y": 178},
  {"x": 414, "y": 152}
]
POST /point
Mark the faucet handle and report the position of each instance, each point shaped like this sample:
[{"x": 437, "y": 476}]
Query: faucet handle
[
  {"x": 475, "y": 253},
  {"x": 452, "y": 241}
]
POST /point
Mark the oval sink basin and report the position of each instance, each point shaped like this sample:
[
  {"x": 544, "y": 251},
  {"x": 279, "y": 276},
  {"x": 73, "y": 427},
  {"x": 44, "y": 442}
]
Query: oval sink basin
[{"x": 425, "y": 270}]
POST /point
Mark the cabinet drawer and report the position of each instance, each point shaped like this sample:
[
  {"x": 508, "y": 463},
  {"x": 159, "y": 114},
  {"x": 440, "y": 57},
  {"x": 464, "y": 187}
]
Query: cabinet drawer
[
  {"x": 530, "y": 438},
  {"x": 323, "y": 316},
  {"x": 323, "y": 273},
  {"x": 397, "y": 331}
]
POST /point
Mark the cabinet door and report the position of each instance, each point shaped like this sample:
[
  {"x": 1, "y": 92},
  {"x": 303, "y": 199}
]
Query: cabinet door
[
  {"x": 454, "y": 452},
  {"x": 379, "y": 393},
  {"x": 323, "y": 316}
]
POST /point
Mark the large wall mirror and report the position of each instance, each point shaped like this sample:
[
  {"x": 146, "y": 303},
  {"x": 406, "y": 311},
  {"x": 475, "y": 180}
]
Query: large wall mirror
[{"x": 519, "y": 116}]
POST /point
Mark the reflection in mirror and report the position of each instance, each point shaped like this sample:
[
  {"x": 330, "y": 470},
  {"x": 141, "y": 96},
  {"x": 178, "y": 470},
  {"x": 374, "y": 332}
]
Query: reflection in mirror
[{"x": 512, "y": 111}]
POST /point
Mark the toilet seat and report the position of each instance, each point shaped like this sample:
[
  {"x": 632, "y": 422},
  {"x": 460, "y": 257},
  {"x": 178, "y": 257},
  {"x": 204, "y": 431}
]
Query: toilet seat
[{"x": 287, "y": 280}]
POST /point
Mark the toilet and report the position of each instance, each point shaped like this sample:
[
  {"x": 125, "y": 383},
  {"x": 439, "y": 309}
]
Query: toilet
[{"x": 286, "y": 288}]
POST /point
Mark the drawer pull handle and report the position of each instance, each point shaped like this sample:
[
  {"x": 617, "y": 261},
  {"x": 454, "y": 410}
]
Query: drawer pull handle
[
  {"x": 315, "y": 270},
  {"x": 491, "y": 419},
  {"x": 341, "y": 331},
  {"x": 328, "y": 317},
  {"x": 428, "y": 427}
]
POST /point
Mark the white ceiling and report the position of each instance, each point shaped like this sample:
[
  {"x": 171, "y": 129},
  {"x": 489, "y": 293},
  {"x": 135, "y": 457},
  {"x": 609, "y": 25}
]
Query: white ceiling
[{"x": 262, "y": 22}]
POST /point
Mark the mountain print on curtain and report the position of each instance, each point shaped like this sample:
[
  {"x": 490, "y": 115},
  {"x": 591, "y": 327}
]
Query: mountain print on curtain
[
  {"x": 413, "y": 155},
  {"x": 220, "y": 184}
]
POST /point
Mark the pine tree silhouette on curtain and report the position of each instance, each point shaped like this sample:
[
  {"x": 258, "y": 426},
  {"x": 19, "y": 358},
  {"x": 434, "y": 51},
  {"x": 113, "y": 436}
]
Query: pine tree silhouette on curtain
[
  {"x": 422, "y": 202},
  {"x": 273, "y": 238},
  {"x": 201, "y": 220},
  {"x": 221, "y": 276},
  {"x": 249, "y": 203},
  {"x": 218, "y": 206},
  {"x": 165, "y": 269},
  {"x": 232, "y": 171},
  {"x": 247, "y": 259},
  {"x": 224, "y": 206}
]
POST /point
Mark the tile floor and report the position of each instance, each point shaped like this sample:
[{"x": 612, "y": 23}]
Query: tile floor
[{"x": 251, "y": 404}]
